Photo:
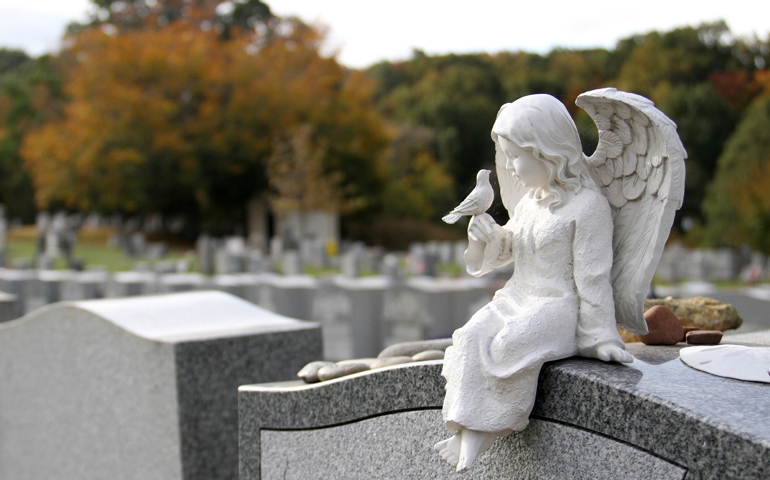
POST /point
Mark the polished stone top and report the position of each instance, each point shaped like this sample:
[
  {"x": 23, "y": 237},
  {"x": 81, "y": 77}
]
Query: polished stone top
[
  {"x": 712, "y": 426},
  {"x": 186, "y": 316}
]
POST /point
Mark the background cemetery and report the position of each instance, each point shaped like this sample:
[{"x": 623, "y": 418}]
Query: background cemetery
[{"x": 366, "y": 298}]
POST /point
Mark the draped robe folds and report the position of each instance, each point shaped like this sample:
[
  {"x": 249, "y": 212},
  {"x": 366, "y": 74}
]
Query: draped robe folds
[{"x": 558, "y": 303}]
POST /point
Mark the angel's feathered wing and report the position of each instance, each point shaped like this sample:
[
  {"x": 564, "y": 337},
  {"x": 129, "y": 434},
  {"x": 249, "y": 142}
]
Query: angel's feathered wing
[{"x": 639, "y": 166}]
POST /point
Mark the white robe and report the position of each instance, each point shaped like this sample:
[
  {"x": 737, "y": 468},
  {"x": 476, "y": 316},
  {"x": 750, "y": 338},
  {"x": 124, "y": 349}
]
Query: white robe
[{"x": 557, "y": 304}]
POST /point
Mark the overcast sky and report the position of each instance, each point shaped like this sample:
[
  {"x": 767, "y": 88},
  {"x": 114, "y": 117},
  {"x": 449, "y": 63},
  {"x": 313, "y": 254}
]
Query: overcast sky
[{"x": 363, "y": 32}]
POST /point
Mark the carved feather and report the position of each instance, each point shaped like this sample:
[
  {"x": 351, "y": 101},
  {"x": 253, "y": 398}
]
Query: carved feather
[
  {"x": 629, "y": 161},
  {"x": 610, "y": 143},
  {"x": 633, "y": 186},
  {"x": 618, "y": 166},
  {"x": 606, "y": 172},
  {"x": 622, "y": 110},
  {"x": 621, "y": 128},
  {"x": 639, "y": 145},
  {"x": 615, "y": 193},
  {"x": 643, "y": 167}
]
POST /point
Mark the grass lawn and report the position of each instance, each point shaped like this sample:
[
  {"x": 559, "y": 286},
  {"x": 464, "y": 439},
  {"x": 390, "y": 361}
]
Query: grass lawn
[{"x": 92, "y": 246}]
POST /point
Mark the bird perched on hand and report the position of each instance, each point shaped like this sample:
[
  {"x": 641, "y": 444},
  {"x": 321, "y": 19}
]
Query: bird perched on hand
[{"x": 477, "y": 202}]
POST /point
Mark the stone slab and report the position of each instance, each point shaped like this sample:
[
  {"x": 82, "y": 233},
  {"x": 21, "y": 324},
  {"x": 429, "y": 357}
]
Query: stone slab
[
  {"x": 710, "y": 427},
  {"x": 10, "y": 307},
  {"x": 378, "y": 448},
  {"x": 139, "y": 388}
]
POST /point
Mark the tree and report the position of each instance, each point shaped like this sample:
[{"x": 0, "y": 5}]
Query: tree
[
  {"x": 179, "y": 120},
  {"x": 705, "y": 121},
  {"x": 458, "y": 97},
  {"x": 220, "y": 16},
  {"x": 29, "y": 89},
  {"x": 417, "y": 185},
  {"x": 738, "y": 203}
]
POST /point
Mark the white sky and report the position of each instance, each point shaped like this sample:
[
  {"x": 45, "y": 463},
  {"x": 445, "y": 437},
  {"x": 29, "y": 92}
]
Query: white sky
[{"x": 364, "y": 32}]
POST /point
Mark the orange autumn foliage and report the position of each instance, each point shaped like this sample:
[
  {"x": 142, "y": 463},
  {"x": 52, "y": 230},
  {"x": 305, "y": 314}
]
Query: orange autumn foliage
[{"x": 175, "y": 118}]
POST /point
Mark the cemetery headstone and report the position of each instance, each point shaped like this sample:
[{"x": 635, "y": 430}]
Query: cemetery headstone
[
  {"x": 181, "y": 282},
  {"x": 350, "y": 313},
  {"x": 652, "y": 420},
  {"x": 10, "y": 307},
  {"x": 130, "y": 284},
  {"x": 141, "y": 388}
]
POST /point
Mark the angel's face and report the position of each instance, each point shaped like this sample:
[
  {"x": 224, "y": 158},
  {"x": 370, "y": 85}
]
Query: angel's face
[{"x": 523, "y": 164}]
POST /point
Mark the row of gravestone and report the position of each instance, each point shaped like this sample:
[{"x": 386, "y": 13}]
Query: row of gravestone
[
  {"x": 679, "y": 263},
  {"x": 233, "y": 255},
  {"x": 360, "y": 315}
]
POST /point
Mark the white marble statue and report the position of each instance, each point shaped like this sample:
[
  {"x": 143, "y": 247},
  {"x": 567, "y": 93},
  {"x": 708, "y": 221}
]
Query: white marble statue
[{"x": 585, "y": 236}]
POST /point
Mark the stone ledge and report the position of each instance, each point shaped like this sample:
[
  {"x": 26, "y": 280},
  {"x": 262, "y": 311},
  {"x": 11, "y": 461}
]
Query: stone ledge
[{"x": 711, "y": 426}]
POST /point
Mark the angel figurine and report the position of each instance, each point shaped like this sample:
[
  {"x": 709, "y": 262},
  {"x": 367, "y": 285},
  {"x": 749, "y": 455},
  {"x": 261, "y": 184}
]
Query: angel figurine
[{"x": 585, "y": 236}]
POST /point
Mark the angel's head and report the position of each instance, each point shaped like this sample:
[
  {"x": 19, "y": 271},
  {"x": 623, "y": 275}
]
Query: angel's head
[{"x": 541, "y": 126}]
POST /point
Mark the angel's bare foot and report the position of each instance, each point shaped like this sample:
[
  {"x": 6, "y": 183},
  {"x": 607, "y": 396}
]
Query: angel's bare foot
[
  {"x": 449, "y": 449},
  {"x": 472, "y": 443},
  {"x": 613, "y": 353}
]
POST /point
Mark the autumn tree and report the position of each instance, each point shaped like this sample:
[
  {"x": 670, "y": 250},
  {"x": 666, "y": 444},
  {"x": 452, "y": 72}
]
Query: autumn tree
[{"x": 179, "y": 120}]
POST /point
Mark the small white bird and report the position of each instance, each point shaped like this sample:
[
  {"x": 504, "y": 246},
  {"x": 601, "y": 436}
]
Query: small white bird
[{"x": 477, "y": 202}]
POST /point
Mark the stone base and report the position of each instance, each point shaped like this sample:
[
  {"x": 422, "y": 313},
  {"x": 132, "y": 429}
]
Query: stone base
[{"x": 653, "y": 419}]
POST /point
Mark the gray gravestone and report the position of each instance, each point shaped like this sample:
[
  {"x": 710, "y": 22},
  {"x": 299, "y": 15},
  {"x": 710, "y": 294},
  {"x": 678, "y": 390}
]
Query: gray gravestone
[
  {"x": 130, "y": 284},
  {"x": 350, "y": 312},
  {"x": 239, "y": 285},
  {"x": 181, "y": 282},
  {"x": 10, "y": 307},
  {"x": 142, "y": 388},
  {"x": 84, "y": 285},
  {"x": 290, "y": 295},
  {"x": 424, "y": 307},
  {"x": 655, "y": 419}
]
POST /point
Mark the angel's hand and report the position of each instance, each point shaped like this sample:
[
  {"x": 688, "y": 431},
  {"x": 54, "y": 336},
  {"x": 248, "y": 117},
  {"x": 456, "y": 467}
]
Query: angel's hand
[
  {"x": 613, "y": 353},
  {"x": 480, "y": 228}
]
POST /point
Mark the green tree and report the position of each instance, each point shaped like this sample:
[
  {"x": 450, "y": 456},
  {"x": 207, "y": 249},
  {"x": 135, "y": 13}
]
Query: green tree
[
  {"x": 417, "y": 185},
  {"x": 457, "y": 96},
  {"x": 705, "y": 121},
  {"x": 29, "y": 90},
  {"x": 738, "y": 203},
  {"x": 221, "y": 16}
]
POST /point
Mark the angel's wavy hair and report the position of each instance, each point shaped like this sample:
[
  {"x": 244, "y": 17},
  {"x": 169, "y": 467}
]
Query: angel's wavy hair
[{"x": 540, "y": 123}]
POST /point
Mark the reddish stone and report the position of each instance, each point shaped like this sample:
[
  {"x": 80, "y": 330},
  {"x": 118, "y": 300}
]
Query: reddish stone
[
  {"x": 704, "y": 337},
  {"x": 688, "y": 329},
  {"x": 664, "y": 327}
]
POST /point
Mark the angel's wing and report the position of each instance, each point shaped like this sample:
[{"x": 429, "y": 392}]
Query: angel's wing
[
  {"x": 639, "y": 166},
  {"x": 511, "y": 188}
]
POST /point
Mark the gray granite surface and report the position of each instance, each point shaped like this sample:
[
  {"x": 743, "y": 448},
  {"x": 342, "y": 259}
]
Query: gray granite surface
[
  {"x": 379, "y": 448},
  {"x": 113, "y": 389},
  {"x": 711, "y": 427},
  {"x": 10, "y": 307}
]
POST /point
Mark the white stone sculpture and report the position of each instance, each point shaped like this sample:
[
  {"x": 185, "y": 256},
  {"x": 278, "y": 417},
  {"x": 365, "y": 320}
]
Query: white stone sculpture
[
  {"x": 477, "y": 202},
  {"x": 585, "y": 235}
]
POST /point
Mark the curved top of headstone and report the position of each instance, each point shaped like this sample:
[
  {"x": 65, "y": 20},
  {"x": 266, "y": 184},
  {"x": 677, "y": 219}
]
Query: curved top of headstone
[
  {"x": 179, "y": 316},
  {"x": 710, "y": 425}
]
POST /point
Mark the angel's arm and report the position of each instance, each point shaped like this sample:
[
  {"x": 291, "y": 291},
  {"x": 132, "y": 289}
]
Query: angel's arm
[
  {"x": 597, "y": 334},
  {"x": 489, "y": 246}
]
